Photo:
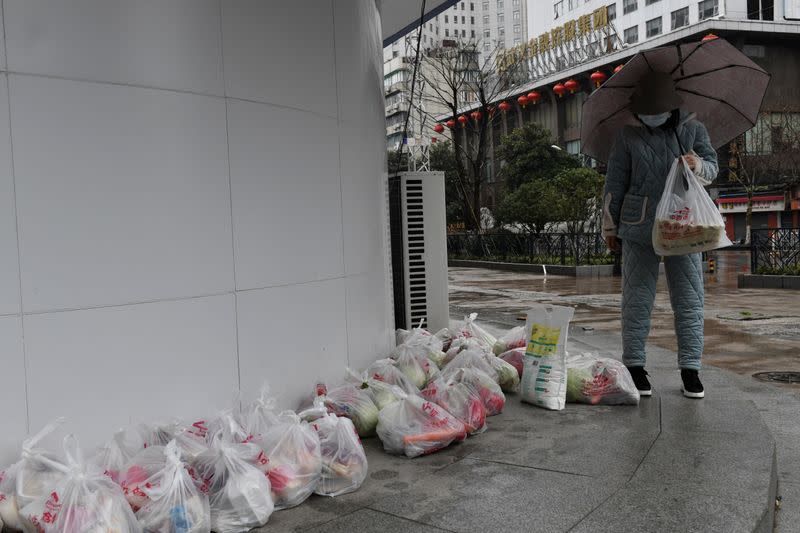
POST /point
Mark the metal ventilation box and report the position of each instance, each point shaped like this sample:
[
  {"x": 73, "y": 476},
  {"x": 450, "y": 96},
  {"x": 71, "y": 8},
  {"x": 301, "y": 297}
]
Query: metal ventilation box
[{"x": 419, "y": 249}]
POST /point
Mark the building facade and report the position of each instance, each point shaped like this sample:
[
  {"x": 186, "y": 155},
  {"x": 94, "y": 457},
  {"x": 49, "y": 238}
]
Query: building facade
[{"x": 493, "y": 25}]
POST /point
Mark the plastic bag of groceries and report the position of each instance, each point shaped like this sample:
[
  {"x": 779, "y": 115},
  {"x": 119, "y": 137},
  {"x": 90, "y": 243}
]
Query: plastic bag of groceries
[
  {"x": 414, "y": 426},
  {"x": 386, "y": 370},
  {"x": 239, "y": 494},
  {"x": 489, "y": 391},
  {"x": 599, "y": 380},
  {"x": 191, "y": 438},
  {"x": 544, "y": 379},
  {"x": 135, "y": 476},
  {"x": 425, "y": 345},
  {"x": 291, "y": 459},
  {"x": 174, "y": 503},
  {"x": 463, "y": 344},
  {"x": 344, "y": 463},
  {"x": 515, "y": 358},
  {"x": 114, "y": 455},
  {"x": 381, "y": 393},
  {"x": 470, "y": 330},
  {"x": 351, "y": 402},
  {"x": 84, "y": 500},
  {"x": 446, "y": 336},
  {"x": 260, "y": 414},
  {"x": 32, "y": 476},
  {"x": 507, "y": 376},
  {"x": 461, "y": 400},
  {"x": 687, "y": 221},
  {"x": 471, "y": 358},
  {"x": 514, "y": 338},
  {"x": 412, "y": 366}
]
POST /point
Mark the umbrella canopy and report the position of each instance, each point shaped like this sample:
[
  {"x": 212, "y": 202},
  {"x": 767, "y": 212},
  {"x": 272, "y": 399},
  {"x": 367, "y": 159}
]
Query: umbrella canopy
[{"x": 715, "y": 80}]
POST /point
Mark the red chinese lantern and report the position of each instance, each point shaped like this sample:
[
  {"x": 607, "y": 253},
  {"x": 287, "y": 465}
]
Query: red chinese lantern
[
  {"x": 559, "y": 89},
  {"x": 434, "y": 139},
  {"x": 504, "y": 106},
  {"x": 598, "y": 78},
  {"x": 451, "y": 123},
  {"x": 534, "y": 96},
  {"x": 572, "y": 86},
  {"x": 476, "y": 116},
  {"x": 618, "y": 68},
  {"x": 522, "y": 101},
  {"x": 710, "y": 37},
  {"x": 438, "y": 128},
  {"x": 462, "y": 120}
]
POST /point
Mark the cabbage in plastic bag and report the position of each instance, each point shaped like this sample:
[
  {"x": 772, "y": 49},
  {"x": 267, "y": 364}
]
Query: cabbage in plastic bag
[
  {"x": 514, "y": 338},
  {"x": 470, "y": 330},
  {"x": 492, "y": 396},
  {"x": 599, "y": 380},
  {"x": 411, "y": 365},
  {"x": 351, "y": 402},
  {"x": 414, "y": 426},
  {"x": 515, "y": 358},
  {"x": 471, "y": 358},
  {"x": 507, "y": 376},
  {"x": 174, "y": 504}
]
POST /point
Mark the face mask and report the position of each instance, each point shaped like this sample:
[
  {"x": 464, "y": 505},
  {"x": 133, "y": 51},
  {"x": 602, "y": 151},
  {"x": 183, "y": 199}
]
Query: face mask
[{"x": 655, "y": 121}]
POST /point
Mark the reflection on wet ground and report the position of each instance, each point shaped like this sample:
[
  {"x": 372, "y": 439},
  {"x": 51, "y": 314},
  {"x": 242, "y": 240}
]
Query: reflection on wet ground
[{"x": 771, "y": 343}]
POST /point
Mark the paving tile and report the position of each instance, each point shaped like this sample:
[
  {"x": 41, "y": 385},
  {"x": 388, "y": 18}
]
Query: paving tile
[{"x": 367, "y": 520}]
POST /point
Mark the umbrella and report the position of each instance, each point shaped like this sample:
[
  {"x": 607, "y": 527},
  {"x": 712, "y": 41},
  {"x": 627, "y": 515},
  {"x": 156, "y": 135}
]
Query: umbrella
[{"x": 717, "y": 81}]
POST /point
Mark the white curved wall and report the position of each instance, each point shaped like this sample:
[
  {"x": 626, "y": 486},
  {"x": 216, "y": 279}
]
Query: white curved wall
[{"x": 191, "y": 201}]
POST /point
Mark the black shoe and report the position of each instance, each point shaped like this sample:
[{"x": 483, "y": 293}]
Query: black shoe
[
  {"x": 639, "y": 375},
  {"x": 692, "y": 388}
]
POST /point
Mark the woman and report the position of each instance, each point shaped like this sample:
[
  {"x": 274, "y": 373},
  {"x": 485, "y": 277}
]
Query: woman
[{"x": 637, "y": 169}]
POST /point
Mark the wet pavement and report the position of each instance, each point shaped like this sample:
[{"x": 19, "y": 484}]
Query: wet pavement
[{"x": 747, "y": 330}]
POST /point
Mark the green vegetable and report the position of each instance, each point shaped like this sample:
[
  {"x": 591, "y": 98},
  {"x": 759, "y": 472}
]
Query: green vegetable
[{"x": 576, "y": 378}]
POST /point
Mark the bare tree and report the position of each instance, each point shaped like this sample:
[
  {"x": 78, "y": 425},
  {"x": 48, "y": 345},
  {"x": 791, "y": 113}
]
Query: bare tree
[
  {"x": 767, "y": 155},
  {"x": 457, "y": 77}
]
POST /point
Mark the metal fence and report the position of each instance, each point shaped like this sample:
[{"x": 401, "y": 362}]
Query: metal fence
[
  {"x": 774, "y": 250},
  {"x": 542, "y": 248}
]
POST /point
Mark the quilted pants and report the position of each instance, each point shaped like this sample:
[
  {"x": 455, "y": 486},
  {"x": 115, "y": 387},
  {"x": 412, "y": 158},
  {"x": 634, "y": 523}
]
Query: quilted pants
[{"x": 685, "y": 283}]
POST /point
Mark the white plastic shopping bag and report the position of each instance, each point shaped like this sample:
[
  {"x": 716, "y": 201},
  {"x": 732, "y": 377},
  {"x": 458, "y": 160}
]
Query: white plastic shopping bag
[
  {"x": 687, "y": 221},
  {"x": 599, "y": 380},
  {"x": 544, "y": 376}
]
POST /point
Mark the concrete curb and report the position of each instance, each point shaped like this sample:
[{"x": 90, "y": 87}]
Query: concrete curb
[{"x": 761, "y": 281}]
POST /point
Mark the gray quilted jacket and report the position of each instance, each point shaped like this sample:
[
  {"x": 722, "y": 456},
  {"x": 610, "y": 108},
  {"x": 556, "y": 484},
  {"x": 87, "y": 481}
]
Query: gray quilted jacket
[{"x": 637, "y": 170}]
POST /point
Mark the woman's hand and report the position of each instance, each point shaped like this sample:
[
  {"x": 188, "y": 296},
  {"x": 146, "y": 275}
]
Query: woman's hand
[
  {"x": 613, "y": 243},
  {"x": 694, "y": 162}
]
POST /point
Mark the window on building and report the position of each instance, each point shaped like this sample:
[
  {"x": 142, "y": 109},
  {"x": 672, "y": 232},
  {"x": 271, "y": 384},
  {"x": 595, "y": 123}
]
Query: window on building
[
  {"x": 437, "y": 30},
  {"x": 680, "y": 18},
  {"x": 653, "y": 27},
  {"x": 707, "y": 9},
  {"x": 516, "y": 15},
  {"x": 445, "y": 19},
  {"x": 516, "y": 28},
  {"x": 573, "y": 147},
  {"x": 471, "y": 6},
  {"x": 631, "y": 35},
  {"x": 572, "y": 109},
  {"x": 462, "y": 6},
  {"x": 446, "y": 32},
  {"x": 486, "y": 47},
  {"x": 612, "y": 11},
  {"x": 472, "y": 20},
  {"x": 486, "y": 19},
  {"x": 463, "y": 19},
  {"x": 463, "y": 33},
  {"x": 501, "y": 17},
  {"x": 395, "y": 53},
  {"x": 761, "y": 9},
  {"x": 515, "y": 2},
  {"x": 499, "y": 4},
  {"x": 472, "y": 33},
  {"x": 424, "y": 38},
  {"x": 486, "y": 6},
  {"x": 650, "y": 2},
  {"x": 487, "y": 34},
  {"x": 517, "y": 41},
  {"x": 501, "y": 45},
  {"x": 629, "y": 6},
  {"x": 558, "y": 8},
  {"x": 501, "y": 31}
]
